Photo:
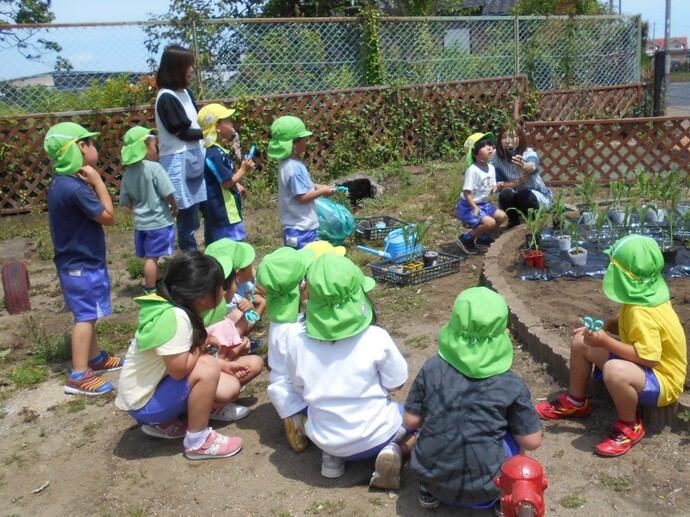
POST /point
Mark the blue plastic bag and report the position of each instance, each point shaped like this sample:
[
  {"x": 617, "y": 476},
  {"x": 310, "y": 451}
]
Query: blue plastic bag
[{"x": 336, "y": 222}]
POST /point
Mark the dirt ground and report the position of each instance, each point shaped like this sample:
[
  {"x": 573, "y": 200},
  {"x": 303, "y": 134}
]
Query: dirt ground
[{"x": 60, "y": 457}]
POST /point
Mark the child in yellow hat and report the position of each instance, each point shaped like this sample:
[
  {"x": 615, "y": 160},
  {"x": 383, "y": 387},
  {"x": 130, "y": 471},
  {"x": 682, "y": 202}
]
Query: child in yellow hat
[
  {"x": 223, "y": 208},
  {"x": 78, "y": 207},
  {"x": 146, "y": 189}
]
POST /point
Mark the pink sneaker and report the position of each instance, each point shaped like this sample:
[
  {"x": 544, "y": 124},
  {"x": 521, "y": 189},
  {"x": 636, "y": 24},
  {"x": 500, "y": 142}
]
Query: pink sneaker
[
  {"x": 216, "y": 445},
  {"x": 170, "y": 430}
]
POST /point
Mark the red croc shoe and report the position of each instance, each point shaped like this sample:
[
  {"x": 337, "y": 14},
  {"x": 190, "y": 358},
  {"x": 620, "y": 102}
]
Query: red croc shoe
[{"x": 563, "y": 408}]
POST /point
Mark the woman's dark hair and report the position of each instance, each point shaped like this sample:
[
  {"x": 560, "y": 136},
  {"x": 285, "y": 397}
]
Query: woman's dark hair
[
  {"x": 522, "y": 139},
  {"x": 191, "y": 275},
  {"x": 172, "y": 72}
]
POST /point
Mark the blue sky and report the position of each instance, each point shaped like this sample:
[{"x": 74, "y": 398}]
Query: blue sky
[{"x": 653, "y": 11}]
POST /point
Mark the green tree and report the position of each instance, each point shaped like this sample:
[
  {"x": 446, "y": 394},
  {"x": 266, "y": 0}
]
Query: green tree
[
  {"x": 23, "y": 12},
  {"x": 557, "y": 7}
]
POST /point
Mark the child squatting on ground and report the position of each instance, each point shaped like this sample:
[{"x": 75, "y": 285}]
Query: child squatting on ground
[
  {"x": 222, "y": 210},
  {"x": 345, "y": 369},
  {"x": 471, "y": 409},
  {"x": 78, "y": 207},
  {"x": 147, "y": 190},
  {"x": 168, "y": 368},
  {"x": 297, "y": 193},
  {"x": 646, "y": 364},
  {"x": 474, "y": 209}
]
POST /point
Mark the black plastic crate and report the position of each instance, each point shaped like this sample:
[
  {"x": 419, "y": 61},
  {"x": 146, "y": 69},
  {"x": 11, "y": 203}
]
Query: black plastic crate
[
  {"x": 446, "y": 265},
  {"x": 366, "y": 227}
]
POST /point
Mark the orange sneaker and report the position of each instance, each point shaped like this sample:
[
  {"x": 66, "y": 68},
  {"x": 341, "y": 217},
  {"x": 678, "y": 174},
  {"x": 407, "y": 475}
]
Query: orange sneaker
[
  {"x": 563, "y": 408},
  {"x": 104, "y": 362},
  {"x": 621, "y": 438}
]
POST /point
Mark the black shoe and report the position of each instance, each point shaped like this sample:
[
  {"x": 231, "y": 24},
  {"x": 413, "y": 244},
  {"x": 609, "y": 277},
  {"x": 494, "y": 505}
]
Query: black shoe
[
  {"x": 466, "y": 244},
  {"x": 427, "y": 500}
]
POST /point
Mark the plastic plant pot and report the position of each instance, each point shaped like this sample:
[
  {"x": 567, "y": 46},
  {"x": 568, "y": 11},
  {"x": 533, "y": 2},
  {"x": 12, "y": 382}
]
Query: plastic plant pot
[
  {"x": 578, "y": 255},
  {"x": 564, "y": 242},
  {"x": 430, "y": 258}
]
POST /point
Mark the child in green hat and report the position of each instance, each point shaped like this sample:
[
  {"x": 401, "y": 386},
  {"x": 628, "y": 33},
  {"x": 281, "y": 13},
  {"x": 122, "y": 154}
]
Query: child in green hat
[
  {"x": 146, "y": 189},
  {"x": 647, "y": 362},
  {"x": 297, "y": 193},
  {"x": 281, "y": 274},
  {"x": 474, "y": 208},
  {"x": 474, "y": 411},
  {"x": 78, "y": 207},
  {"x": 345, "y": 368}
]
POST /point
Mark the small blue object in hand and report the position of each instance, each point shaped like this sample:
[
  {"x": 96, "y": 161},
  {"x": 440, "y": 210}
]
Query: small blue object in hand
[
  {"x": 592, "y": 324},
  {"x": 252, "y": 316}
]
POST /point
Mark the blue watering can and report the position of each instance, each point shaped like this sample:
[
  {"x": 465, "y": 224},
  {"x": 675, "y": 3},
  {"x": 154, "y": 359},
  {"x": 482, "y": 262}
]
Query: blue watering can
[{"x": 396, "y": 249}]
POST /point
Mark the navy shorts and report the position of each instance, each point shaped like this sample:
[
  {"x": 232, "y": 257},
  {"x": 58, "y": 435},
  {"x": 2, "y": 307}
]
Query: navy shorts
[
  {"x": 298, "y": 239},
  {"x": 649, "y": 396},
  {"x": 465, "y": 212},
  {"x": 86, "y": 292},
  {"x": 168, "y": 401},
  {"x": 155, "y": 243}
]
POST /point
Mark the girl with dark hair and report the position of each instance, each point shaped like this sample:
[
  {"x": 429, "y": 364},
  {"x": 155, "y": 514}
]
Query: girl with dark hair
[
  {"x": 179, "y": 139},
  {"x": 517, "y": 174},
  {"x": 169, "y": 371}
]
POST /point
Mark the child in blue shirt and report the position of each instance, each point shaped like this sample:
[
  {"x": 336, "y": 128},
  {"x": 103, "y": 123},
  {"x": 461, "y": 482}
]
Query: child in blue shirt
[
  {"x": 297, "y": 193},
  {"x": 222, "y": 210},
  {"x": 78, "y": 207},
  {"x": 146, "y": 188}
]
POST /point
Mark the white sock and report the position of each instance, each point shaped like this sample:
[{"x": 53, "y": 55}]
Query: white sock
[{"x": 195, "y": 440}]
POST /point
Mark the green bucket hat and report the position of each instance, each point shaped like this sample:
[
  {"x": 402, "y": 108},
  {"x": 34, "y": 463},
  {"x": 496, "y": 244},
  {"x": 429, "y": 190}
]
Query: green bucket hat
[
  {"x": 471, "y": 142},
  {"x": 241, "y": 253},
  {"x": 475, "y": 341},
  {"x": 61, "y": 145},
  {"x": 283, "y": 131},
  {"x": 224, "y": 258},
  {"x": 338, "y": 306},
  {"x": 134, "y": 149},
  {"x": 280, "y": 273},
  {"x": 634, "y": 274}
]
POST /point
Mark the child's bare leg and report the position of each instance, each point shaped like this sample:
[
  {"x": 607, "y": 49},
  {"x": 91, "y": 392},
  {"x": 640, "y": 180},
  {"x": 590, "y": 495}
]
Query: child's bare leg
[
  {"x": 84, "y": 345},
  {"x": 624, "y": 381},
  {"x": 255, "y": 364},
  {"x": 228, "y": 390},
  {"x": 487, "y": 225},
  {"x": 500, "y": 217},
  {"x": 203, "y": 382},
  {"x": 150, "y": 272},
  {"x": 582, "y": 357}
]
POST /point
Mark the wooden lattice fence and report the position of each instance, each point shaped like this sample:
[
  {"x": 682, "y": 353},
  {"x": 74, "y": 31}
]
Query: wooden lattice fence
[
  {"x": 26, "y": 169},
  {"x": 612, "y": 148},
  {"x": 584, "y": 104}
]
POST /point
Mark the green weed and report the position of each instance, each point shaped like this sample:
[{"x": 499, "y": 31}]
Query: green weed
[
  {"x": 326, "y": 508},
  {"x": 15, "y": 458},
  {"x": 573, "y": 502},
  {"x": 91, "y": 428},
  {"x": 616, "y": 483},
  {"x": 136, "y": 511},
  {"x": 53, "y": 348},
  {"x": 76, "y": 404},
  {"x": 135, "y": 267},
  {"x": 27, "y": 374},
  {"x": 115, "y": 335}
]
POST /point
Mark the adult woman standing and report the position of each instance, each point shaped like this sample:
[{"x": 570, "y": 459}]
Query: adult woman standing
[
  {"x": 179, "y": 136},
  {"x": 519, "y": 183}
]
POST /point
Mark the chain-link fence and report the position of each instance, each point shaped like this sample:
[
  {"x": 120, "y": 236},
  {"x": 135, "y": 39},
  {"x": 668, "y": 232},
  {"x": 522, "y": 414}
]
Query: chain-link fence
[{"x": 91, "y": 66}]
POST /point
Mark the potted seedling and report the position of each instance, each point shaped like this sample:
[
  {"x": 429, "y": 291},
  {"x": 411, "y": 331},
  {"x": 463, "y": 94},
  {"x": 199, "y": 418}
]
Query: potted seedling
[
  {"x": 413, "y": 235},
  {"x": 577, "y": 254},
  {"x": 667, "y": 249},
  {"x": 536, "y": 220},
  {"x": 588, "y": 189},
  {"x": 559, "y": 221},
  {"x": 599, "y": 223},
  {"x": 616, "y": 211}
]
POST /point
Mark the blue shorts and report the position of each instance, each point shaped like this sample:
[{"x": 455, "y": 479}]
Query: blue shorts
[
  {"x": 155, "y": 243},
  {"x": 374, "y": 451},
  {"x": 298, "y": 239},
  {"x": 168, "y": 401},
  {"x": 465, "y": 212},
  {"x": 86, "y": 292},
  {"x": 234, "y": 232},
  {"x": 649, "y": 396}
]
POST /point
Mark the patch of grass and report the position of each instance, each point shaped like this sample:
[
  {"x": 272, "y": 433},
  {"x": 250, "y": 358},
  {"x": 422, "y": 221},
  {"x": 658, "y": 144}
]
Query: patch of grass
[
  {"x": 53, "y": 348},
  {"x": 135, "y": 267},
  {"x": 28, "y": 374},
  {"x": 417, "y": 341},
  {"x": 3, "y": 414},
  {"x": 616, "y": 483},
  {"x": 281, "y": 512},
  {"x": 76, "y": 404},
  {"x": 136, "y": 511},
  {"x": 573, "y": 502},
  {"x": 91, "y": 428},
  {"x": 559, "y": 453},
  {"x": 15, "y": 458},
  {"x": 115, "y": 335},
  {"x": 376, "y": 501},
  {"x": 325, "y": 508}
]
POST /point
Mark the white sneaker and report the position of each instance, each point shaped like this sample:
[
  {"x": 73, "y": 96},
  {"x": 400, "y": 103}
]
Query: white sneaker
[
  {"x": 388, "y": 464},
  {"x": 331, "y": 467},
  {"x": 229, "y": 413}
]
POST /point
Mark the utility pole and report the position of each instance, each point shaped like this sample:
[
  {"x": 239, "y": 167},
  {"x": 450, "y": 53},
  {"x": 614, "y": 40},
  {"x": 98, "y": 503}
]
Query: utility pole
[{"x": 667, "y": 36}]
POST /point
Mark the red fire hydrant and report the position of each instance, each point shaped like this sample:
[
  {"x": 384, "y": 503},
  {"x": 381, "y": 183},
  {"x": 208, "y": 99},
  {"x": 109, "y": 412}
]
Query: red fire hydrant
[{"x": 523, "y": 482}]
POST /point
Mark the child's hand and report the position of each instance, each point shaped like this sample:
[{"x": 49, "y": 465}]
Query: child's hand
[
  {"x": 244, "y": 305},
  {"x": 239, "y": 370},
  {"x": 477, "y": 212},
  {"x": 248, "y": 164},
  {"x": 243, "y": 191},
  {"x": 500, "y": 186},
  {"x": 594, "y": 339},
  {"x": 89, "y": 175},
  {"x": 212, "y": 345}
]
